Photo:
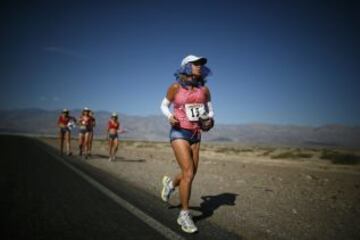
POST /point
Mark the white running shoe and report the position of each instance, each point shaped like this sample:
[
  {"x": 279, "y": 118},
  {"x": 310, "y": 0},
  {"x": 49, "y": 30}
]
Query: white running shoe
[
  {"x": 167, "y": 189},
  {"x": 186, "y": 222}
]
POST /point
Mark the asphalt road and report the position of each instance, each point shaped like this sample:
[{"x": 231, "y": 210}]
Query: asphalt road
[{"x": 41, "y": 198}]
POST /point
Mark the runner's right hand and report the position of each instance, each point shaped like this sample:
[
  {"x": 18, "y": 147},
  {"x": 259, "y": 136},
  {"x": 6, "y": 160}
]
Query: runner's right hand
[{"x": 173, "y": 121}]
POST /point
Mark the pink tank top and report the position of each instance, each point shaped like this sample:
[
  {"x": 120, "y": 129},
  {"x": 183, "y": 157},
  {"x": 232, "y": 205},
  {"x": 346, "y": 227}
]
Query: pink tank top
[{"x": 187, "y": 96}]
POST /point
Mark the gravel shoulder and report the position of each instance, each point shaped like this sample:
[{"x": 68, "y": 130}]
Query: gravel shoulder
[{"x": 250, "y": 190}]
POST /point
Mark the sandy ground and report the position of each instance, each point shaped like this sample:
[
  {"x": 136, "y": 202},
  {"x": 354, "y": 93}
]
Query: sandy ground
[{"x": 245, "y": 190}]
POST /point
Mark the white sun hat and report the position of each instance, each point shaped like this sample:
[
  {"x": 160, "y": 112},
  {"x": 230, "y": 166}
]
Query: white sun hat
[
  {"x": 114, "y": 114},
  {"x": 193, "y": 58},
  {"x": 86, "y": 109}
]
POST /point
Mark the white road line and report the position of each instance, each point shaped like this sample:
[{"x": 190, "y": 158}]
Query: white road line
[{"x": 163, "y": 230}]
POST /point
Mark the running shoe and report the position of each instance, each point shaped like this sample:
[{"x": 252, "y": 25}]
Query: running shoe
[
  {"x": 166, "y": 190},
  {"x": 186, "y": 222}
]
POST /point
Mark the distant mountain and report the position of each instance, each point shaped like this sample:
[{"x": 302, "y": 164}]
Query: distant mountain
[
  {"x": 44, "y": 122},
  {"x": 156, "y": 128}
]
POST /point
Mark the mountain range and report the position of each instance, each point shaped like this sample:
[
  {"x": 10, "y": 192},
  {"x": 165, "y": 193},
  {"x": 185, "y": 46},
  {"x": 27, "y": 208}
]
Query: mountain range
[{"x": 156, "y": 128}]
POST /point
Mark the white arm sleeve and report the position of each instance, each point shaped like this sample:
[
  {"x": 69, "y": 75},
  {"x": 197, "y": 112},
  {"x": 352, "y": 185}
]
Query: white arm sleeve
[
  {"x": 211, "y": 110},
  {"x": 165, "y": 107}
]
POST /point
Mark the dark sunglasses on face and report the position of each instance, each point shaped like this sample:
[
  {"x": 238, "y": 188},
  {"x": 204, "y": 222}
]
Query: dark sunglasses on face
[{"x": 197, "y": 63}]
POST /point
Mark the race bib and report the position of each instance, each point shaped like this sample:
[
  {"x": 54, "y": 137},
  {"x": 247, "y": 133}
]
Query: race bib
[{"x": 194, "y": 111}]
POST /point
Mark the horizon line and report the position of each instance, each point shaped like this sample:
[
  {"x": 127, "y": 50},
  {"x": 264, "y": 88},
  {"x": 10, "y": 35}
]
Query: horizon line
[{"x": 158, "y": 115}]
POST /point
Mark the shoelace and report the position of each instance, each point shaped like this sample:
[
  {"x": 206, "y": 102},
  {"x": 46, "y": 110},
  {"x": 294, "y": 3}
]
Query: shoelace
[
  {"x": 188, "y": 220},
  {"x": 170, "y": 189}
]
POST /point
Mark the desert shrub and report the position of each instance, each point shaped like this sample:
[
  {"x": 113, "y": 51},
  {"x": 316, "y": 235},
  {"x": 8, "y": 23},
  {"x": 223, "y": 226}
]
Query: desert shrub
[
  {"x": 204, "y": 149},
  {"x": 283, "y": 155},
  {"x": 267, "y": 153},
  {"x": 339, "y": 157},
  {"x": 232, "y": 150},
  {"x": 145, "y": 145},
  {"x": 128, "y": 143},
  {"x": 223, "y": 150},
  {"x": 246, "y": 150},
  {"x": 304, "y": 155},
  {"x": 291, "y": 155}
]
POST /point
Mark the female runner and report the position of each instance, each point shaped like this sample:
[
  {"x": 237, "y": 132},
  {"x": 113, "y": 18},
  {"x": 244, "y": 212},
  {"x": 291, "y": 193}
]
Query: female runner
[
  {"x": 192, "y": 113},
  {"x": 113, "y": 136},
  {"x": 65, "y": 133},
  {"x": 91, "y": 129},
  {"x": 84, "y": 132}
]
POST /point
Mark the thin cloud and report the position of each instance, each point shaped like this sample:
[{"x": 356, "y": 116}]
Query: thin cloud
[
  {"x": 47, "y": 99},
  {"x": 65, "y": 52}
]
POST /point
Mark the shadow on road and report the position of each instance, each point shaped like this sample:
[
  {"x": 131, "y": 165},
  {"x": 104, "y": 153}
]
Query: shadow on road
[
  {"x": 211, "y": 203},
  {"x": 119, "y": 159},
  {"x": 131, "y": 160},
  {"x": 101, "y": 156}
]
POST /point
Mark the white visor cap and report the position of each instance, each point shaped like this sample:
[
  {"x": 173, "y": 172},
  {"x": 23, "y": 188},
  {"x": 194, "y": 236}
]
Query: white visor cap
[{"x": 192, "y": 58}]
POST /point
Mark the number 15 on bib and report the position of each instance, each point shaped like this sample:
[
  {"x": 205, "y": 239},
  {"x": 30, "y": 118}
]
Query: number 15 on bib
[{"x": 194, "y": 111}]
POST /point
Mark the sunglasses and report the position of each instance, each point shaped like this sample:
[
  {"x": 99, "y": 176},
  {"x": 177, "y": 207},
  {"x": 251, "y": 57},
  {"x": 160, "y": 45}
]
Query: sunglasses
[{"x": 198, "y": 63}]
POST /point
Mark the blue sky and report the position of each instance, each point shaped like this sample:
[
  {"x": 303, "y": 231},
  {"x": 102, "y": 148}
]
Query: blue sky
[{"x": 273, "y": 61}]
